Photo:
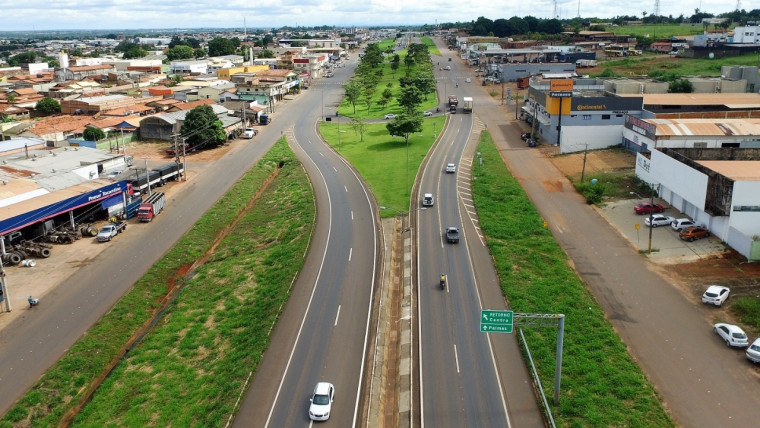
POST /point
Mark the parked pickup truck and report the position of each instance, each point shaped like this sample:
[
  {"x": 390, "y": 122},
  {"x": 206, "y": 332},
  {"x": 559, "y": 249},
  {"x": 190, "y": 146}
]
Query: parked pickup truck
[
  {"x": 110, "y": 230},
  {"x": 452, "y": 235}
]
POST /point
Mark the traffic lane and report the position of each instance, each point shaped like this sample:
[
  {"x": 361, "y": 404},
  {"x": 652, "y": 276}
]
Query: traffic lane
[
  {"x": 636, "y": 317},
  {"x": 36, "y": 341}
]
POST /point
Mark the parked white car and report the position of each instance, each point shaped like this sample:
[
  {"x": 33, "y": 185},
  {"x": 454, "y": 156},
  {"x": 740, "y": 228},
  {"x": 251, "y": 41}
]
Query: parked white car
[
  {"x": 659, "y": 220},
  {"x": 715, "y": 295},
  {"x": 681, "y": 223},
  {"x": 389, "y": 116},
  {"x": 733, "y": 335},
  {"x": 753, "y": 351}
]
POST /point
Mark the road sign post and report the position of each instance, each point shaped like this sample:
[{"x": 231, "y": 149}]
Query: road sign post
[{"x": 496, "y": 321}]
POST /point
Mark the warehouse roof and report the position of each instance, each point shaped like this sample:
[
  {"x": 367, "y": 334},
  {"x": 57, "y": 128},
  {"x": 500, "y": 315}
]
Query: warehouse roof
[
  {"x": 733, "y": 101},
  {"x": 706, "y": 127},
  {"x": 735, "y": 170}
]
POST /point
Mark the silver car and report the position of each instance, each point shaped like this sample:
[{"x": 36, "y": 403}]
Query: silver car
[
  {"x": 731, "y": 334},
  {"x": 753, "y": 352}
]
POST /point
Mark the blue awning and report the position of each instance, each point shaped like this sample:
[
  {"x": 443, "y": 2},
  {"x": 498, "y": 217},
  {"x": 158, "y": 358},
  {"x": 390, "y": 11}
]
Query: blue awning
[{"x": 116, "y": 200}]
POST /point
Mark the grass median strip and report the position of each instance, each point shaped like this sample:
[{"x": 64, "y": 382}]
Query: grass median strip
[
  {"x": 190, "y": 369},
  {"x": 601, "y": 384}
]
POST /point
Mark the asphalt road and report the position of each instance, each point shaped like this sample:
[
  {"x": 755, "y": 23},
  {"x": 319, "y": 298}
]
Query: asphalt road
[
  {"x": 702, "y": 383},
  {"x": 322, "y": 333},
  {"x": 467, "y": 378}
]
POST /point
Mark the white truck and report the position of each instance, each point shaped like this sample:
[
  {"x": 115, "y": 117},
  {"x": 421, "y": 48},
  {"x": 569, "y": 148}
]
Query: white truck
[
  {"x": 585, "y": 63},
  {"x": 467, "y": 104}
]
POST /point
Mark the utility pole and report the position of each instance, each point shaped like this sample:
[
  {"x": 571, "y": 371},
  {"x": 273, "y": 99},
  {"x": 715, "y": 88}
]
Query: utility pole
[
  {"x": 651, "y": 214},
  {"x": 583, "y": 171}
]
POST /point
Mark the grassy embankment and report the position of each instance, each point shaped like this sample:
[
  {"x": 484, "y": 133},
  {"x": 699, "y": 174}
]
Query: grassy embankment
[
  {"x": 659, "y": 31},
  {"x": 191, "y": 367},
  {"x": 380, "y": 158},
  {"x": 601, "y": 384}
]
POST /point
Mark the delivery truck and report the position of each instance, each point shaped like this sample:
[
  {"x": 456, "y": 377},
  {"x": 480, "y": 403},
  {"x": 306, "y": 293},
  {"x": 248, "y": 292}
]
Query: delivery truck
[{"x": 151, "y": 206}]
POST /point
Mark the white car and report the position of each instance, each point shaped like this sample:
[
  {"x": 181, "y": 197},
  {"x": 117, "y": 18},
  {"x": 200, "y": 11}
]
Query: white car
[
  {"x": 731, "y": 334},
  {"x": 249, "y": 133},
  {"x": 389, "y": 116},
  {"x": 681, "y": 223},
  {"x": 753, "y": 352},
  {"x": 659, "y": 220},
  {"x": 468, "y": 80},
  {"x": 321, "y": 401},
  {"x": 427, "y": 113},
  {"x": 428, "y": 200},
  {"x": 448, "y": 67},
  {"x": 715, "y": 295},
  {"x": 451, "y": 168}
]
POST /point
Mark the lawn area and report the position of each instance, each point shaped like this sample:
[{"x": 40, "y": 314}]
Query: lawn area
[
  {"x": 432, "y": 48},
  {"x": 658, "y": 30},
  {"x": 381, "y": 158},
  {"x": 190, "y": 368},
  {"x": 684, "y": 66},
  {"x": 601, "y": 384}
]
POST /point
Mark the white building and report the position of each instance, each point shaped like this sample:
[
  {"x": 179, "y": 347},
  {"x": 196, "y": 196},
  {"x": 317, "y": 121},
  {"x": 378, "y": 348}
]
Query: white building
[
  {"x": 717, "y": 187},
  {"x": 645, "y": 134},
  {"x": 189, "y": 67},
  {"x": 748, "y": 34}
]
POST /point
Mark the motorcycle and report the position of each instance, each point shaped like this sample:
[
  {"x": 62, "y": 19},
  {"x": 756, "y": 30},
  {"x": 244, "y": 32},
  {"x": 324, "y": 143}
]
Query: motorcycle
[
  {"x": 33, "y": 301},
  {"x": 443, "y": 282}
]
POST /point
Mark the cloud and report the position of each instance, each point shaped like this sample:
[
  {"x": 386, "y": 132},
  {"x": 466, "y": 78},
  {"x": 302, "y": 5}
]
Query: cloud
[{"x": 142, "y": 14}]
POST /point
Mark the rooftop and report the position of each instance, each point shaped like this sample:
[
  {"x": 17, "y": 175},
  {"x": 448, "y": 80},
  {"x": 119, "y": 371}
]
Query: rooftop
[{"x": 706, "y": 127}]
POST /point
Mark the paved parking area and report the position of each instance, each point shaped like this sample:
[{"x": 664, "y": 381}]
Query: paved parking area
[{"x": 667, "y": 247}]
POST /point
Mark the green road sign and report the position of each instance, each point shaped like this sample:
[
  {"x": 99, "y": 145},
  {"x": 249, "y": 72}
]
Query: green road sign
[{"x": 496, "y": 321}]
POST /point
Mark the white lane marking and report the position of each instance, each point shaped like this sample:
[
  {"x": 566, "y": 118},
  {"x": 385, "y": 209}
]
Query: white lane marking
[
  {"x": 321, "y": 154},
  {"x": 352, "y": 214},
  {"x": 559, "y": 228},
  {"x": 337, "y": 316},
  {"x": 335, "y": 169},
  {"x": 456, "y": 357},
  {"x": 346, "y": 187},
  {"x": 350, "y": 253}
]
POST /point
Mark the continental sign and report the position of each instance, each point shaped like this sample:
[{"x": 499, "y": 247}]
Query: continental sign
[{"x": 561, "y": 88}]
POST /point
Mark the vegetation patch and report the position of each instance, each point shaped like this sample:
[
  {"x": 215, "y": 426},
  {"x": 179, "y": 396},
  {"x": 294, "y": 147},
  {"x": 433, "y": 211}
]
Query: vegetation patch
[
  {"x": 190, "y": 369},
  {"x": 601, "y": 384}
]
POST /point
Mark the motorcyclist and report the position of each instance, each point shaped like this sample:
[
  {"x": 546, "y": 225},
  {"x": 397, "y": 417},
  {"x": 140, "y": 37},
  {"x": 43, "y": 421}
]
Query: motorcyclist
[{"x": 443, "y": 280}]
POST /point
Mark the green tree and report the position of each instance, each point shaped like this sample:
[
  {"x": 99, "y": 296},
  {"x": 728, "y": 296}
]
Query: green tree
[
  {"x": 386, "y": 97},
  {"x": 22, "y": 58},
  {"x": 359, "y": 126},
  {"x": 179, "y": 52},
  {"x": 403, "y": 126},
  {"x": 369, "y": 92},
  {"x": 47, "y": 105},
  {"x": 221, "y": 46},
  {"x": 353, "y": 92},
  {"x": 410, "y": 99},
  {"x": 267, "y": 40},
  {"x": 266, "y": 53},
  {"x": 202, "y": 128},
  {"x": 135, "y": 52},
  {"x": 199, "y": 53},
  {"x": 92, "y": 133},
  {"x": 681, "y": 86},
  {"x": 425, "y": 83}
]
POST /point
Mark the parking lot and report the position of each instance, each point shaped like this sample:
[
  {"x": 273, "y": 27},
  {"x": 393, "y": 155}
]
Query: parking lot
[{"x": 667, "y": 247}]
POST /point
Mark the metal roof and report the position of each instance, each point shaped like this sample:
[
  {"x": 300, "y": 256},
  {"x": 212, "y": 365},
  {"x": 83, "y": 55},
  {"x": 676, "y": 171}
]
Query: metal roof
[
  {"x": 706, "y": 127},
  {"x": 735, "y": 170},
  {"x": 734, "y": 101}
]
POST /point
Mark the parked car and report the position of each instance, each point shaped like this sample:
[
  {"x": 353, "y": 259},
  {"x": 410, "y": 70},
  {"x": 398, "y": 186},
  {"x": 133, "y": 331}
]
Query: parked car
[
  {"x": 321, "y": 401},
  {"x": 389, "y": 116},
  {"x": 731, "y": 334},
  {"x": 681, "y": 223},
  {"x": 448, "y": 67},
  {"x": 110, "y": 230},
  {"x": 715, "y": 295},
  {"x": 428, "y": 200},
  {"x": 249, "y": 133},
  {"x": 113, "y": 174},
  {"x": 659, "y": 220},
  {"x": 427, "y": 113},
  {"x": 647, "y": 207},
  {"x": 451, "y": 168},
  {"x": 693, "y": 232},
  {"x": 753, "y": 351},
  {"x": 468, "y": 80}
]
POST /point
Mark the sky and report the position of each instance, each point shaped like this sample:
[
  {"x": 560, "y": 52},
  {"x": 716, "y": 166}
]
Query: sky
[{"x": 46, "y": 15}]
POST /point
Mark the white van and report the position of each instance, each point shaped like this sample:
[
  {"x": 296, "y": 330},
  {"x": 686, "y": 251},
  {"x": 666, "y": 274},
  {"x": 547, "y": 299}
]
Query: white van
[{"x": 249, "y": 133}]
